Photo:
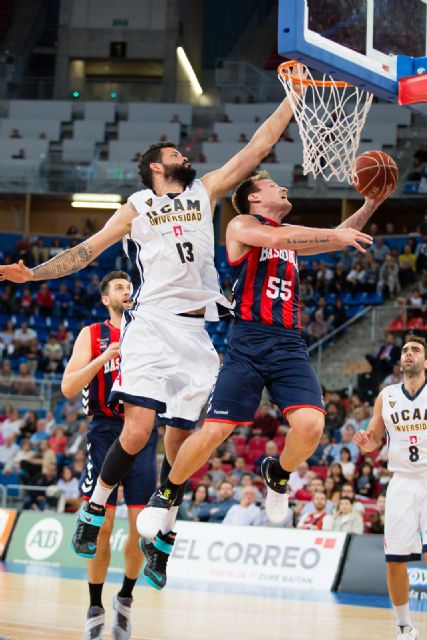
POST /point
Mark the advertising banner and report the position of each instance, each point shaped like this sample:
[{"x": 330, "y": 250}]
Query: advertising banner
[
  {"x": 259, "y": 556},
  {"x": 417, "y": 574},
  {"x": 7, "y": 520}
]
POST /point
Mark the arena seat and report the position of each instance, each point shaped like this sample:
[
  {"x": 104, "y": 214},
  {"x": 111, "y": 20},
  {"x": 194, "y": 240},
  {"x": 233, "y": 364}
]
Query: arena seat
[
  {"x": 148, "y": 131},
  {"x": 320, "y": 471},
  {"x": 395, "y": 325},
  {"x": 416, "y": 323},
  {"x": 105, "y": 111},
  {"x": 249, "y": 112},
  {"x": 126, "y": 150},
  {"x": 77, "y": 150},
  {"x": 40, "y": 109},
  {"x": 34, "y": 149},
  {"x": 160, "y": 112},
  {"x": 93, "y": 130},
  {"x": 31, "y": 128},
  {"x": 104, "y": 170}
]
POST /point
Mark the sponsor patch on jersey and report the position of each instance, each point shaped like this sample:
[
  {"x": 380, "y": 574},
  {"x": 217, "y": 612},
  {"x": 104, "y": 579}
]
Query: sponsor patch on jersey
[
  {"x": 149, "y": 202},
  {"x": 177, "y": 231},
  {"x": 392, "y": 403}
]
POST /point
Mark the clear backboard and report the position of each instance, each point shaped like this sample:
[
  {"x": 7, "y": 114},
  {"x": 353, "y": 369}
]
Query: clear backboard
[{"x": 370, "y": 43}]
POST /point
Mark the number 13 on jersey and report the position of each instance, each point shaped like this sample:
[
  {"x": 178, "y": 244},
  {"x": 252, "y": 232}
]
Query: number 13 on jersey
[{"x": 185, "y": 251}]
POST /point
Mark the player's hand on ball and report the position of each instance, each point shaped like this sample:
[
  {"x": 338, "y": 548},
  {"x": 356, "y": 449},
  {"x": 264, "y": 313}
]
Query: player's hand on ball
[
  {"x": 298, "y": 73},
  {"x": 112, "y": 351},
  {"x": 16, "y": 272},
  {"x": 361, "y": 439},
  {"x": 348, "y": 237}
]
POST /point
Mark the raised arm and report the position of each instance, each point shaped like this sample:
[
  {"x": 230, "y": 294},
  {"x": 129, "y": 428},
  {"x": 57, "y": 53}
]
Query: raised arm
[
  {"x": 81, "y": 369},
  {"x": 78, "y": 257},
  {"x": 371, "y": 439},
  {"x": 245, "y": 231}
]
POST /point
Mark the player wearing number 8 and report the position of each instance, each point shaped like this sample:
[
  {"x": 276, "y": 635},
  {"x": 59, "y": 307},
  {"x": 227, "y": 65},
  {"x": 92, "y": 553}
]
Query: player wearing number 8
[{"x": 400, "y": 411}]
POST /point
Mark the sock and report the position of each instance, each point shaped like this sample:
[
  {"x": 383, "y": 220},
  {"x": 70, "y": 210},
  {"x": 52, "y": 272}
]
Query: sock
[
  {"x": 164, "y": 470},
  {"x": 403, "y": 616},
  {"x": 117, "y": 462},
  {"x": 164, "y": 474},
  {"x": 277, "y": 472},
  {"x": 95, "y": 594},
  {"x": 100, "y": 494},
  {"x": 170, "y": 490},
  {"x": 127, "y": 587}
]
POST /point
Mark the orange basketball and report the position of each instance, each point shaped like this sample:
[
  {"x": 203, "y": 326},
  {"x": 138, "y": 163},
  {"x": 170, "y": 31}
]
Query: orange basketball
[{"x": 376, "y": 174}]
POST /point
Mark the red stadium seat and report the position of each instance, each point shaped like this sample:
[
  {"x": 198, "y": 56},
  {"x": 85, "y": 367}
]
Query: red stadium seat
[
  {"x": 258, "y": 442},
  {"x": 396, "y": 325},
  {"x": 416, "y": 323},
  {"x": 321, "y": 472}
]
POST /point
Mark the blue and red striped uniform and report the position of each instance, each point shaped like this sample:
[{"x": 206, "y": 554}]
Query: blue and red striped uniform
[
  {"x": 266, "y": 285},
  {"x": 106, "y": 425},
  {"x": 97, "y": 392},
  {"x": 266, "y": 347}
]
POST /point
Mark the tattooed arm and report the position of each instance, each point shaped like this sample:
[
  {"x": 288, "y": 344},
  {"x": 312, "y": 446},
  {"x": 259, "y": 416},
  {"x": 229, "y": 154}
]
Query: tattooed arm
[
  {"x": 72, "y": 260},
  {"x": 244, "y": 232},
  {"x": 361, "y": 217}
]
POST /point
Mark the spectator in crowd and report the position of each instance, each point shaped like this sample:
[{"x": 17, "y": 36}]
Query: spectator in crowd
[
  {"x": 318, "y": 328},
  {"x": 379, "y": 250},
  {"x": 45, "y": 301},
  {"x": 7, "y": 334},
  {"x": 40, "y": 433},
  {"x": 11, "y": 425},
  {"x": 227, "y": 452},
  {"x": 22, "y": 457},
  {"x": 387, "y": 356},
  {"x": 63, "y": 301},
  {"x": 19, "y": 155},
  {"x": 55, "y": 248},
  {"x": 50, "y": 421},
  {"x": 216, "y": 511},
  {"x": 214, "y": 137},
  {"x": 175, "y": 118},
  {"x": 333, "y": 419},
  {"x": 388, "y": 282},
  {"x": 346, "y": 520},
  {"x": 298, "y": 478},
  {"x": 8, "y": 451},
  {"x": 40, "y": 251},
  {"x": 377, "y": 522},
  {"x": 23, "y": 337},
  {"x": 395, "y": 377},
  {"x": 347, "y": 465},
  {"x": 246, "y": 481},
  {"x": 53, "y": 355},
  {"x": 79, "y": 299},
  {"x": 15, "y": 134},
  {"x": 316, "y": 484},
  {"x": 246, "y": 512},
  {"x": 356, "y": 278},
  {"x": 34, "y": 356},
  {"x": 92, "y": 289},
  {"x": 65, "y": 338},
  {"x": 339, "y": 314},
  {"x": 37, "y": 498},
  {"x": 23, "y": 250},
  {"x": 347, "y": 491},
  {"x": 79, "y": 463},
  {"x": 324, "y": 278},
  {"x": 7, "y": 299},
  {"x": 78, "y": 440},
  {"x": 332, "y": 490},
  {"x": 421, "y": 255},
  {"x": 44, "y": 457},
  {"x": 407, "y": 266},
  {"x": 242, "y": 138},
  {"x": 335, "y": 472},
  {"x": 323, "y": 454},
  {"x": 25, "y": 383},
  {"x": 7, "y": 377},
  {"x": 189, "y": 509},
  {"x": 358, "y": 419},
  {"x": 239, "y": 467},
  {"x": 216, "y": 471},
  {"x": 72, "y": 231},
  {"x": 347, "y": 434},
  {"x": 372, "y": 276},
  {"x": 365, "y": 482},
  {"x": 69, "y": 487},
  {"x": 319, "y": 519},
  {"x": 58, "y": 444},
  {"x": 28, "y": 424},
  {"x": 264, "y": 422},
  {"x": 389, "y": 229},
  {"x": 25, "y": 301},
  {"x": 271, "y": 451}
]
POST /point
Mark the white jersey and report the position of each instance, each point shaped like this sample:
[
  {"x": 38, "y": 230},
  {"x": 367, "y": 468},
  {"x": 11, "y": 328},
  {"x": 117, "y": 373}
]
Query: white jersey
[
  {"x": 172, "y": 246},
  {"x": 405, "y": 419}
]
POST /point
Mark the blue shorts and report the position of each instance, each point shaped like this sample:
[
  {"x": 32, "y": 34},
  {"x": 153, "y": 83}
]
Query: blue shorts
[
  {"x": 140, "y": 481},
  {"x": 261, "y": 356}
]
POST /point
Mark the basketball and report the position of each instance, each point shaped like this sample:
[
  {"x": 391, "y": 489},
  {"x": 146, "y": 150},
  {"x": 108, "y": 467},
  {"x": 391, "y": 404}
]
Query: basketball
[{"x": 376, "y": 174}]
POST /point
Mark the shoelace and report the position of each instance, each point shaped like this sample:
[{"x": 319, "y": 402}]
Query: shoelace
[
  {"x": 88, "y": 531},
  {"x": 159, "y": 560}
]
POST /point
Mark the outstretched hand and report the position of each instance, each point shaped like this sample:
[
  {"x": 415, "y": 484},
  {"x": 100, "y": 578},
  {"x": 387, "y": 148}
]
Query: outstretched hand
[
  {"x": 16, "y": 272},
  {"x": 348, "y": 237}
]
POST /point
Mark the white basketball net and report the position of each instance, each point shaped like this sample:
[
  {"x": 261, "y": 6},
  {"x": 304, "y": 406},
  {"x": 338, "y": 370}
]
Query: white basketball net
[{"x": 330, "y": 119}]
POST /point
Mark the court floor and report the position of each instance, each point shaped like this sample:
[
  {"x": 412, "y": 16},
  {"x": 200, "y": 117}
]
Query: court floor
[{"x": 50, "y": 606}]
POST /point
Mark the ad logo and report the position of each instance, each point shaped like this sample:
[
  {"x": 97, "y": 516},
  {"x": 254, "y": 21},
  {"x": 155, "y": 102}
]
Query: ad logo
[{"x": 44, "y": 538}]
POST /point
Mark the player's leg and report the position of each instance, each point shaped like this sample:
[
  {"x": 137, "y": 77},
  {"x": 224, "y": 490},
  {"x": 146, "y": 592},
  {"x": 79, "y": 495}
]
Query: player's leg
[
  {"x": 122, "y": 601},
  {"x": 96, "y": 572},
  {"x": 295, "y": 388},
  {"x": 234, "y": 400},
  {"x": 174, "y": 438},
  {"x": 138, "y": 426},
  {"x": 401, "y": 543}
]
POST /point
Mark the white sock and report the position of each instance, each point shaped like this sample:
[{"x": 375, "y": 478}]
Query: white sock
[
  {"x": 170, "y": 523},
  {"x": 100, "y": 494},
  {"x": 403, "y": 616}
]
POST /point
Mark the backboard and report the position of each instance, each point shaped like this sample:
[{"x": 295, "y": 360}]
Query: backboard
[{"x": 370, "y": 43}]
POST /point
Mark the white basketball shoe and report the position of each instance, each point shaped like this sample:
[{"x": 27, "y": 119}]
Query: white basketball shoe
[
  {"x": 406, "y": 633},
  {"x": 277, "y": 501}
]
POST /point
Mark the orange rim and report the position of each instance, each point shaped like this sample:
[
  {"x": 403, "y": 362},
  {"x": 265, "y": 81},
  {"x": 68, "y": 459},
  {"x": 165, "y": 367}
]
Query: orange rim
[{"x": 283, "y": 71}]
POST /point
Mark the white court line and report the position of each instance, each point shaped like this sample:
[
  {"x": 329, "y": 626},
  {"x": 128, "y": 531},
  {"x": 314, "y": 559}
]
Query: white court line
[{"x": 43, "y": 629}]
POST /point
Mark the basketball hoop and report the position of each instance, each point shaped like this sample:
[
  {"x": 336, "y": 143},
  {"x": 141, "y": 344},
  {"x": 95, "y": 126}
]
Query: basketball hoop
[{"x": 330, "y": 116}]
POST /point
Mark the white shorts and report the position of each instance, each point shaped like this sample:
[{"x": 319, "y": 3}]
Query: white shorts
[
  {"x": 167, "y": 363},
  {"x": 405, "y": 523}
]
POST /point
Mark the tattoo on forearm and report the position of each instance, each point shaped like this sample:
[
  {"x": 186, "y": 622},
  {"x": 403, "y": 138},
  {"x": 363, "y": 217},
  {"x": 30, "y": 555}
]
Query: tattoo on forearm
[
  {"x": 66, "y": 262},
  {"x": 314, "y": 240},
  {"x": 357, "y": 220}
]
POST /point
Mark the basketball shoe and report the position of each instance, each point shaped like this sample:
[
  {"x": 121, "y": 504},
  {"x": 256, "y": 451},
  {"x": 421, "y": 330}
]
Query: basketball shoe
[
  {"x": 95, "y": 621},
  {"x": 121, "y": 628},
  {"x": 157, "y": 552},
  {"x": 406, "y": 633},
  {"x": 154, "y": 517},
  {"x": 277, "y": 501},
  {"x": 91, "y": 517}
]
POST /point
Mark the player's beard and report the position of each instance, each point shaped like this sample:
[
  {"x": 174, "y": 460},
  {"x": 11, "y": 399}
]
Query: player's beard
[
  {"x": 412, "y": 370},
  {"x": 184, "y": 174},
  {"x": 119, "y": 307}
]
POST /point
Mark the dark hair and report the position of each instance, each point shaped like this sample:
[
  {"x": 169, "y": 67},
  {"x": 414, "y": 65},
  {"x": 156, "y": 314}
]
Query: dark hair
[
  {"x": 152, "y": 154},
  {"x": 418, "y": 339},
  {"x": 350, "y": 500},
  {"x": 347, "y": 450},
  {"x": 240, "y": 196},
  {"x": 113, "y": 275},
  {"x": 193, "y": 495}
]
